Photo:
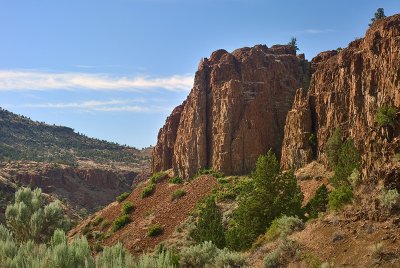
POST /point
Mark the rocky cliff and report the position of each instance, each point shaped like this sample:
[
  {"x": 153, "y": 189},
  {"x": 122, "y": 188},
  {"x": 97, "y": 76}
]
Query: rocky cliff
[
  {"x": 346, "y": 90},
  {"x": 235, "y": 111},
  {"x": 83, "y": 188}
]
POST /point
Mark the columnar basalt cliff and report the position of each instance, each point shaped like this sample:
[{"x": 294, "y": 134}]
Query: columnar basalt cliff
[
  {"x": 235, "y": 111},
  {"x": 164, "y": 150},
  {"x": 346, "y": 89}
]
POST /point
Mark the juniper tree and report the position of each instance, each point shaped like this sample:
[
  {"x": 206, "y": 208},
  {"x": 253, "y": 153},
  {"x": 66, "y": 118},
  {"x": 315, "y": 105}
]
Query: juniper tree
[
  {"x": 271, "y": 195},
  {"x": 379, "y": 14},
  {"x": 209, "y": 225},
  {"x": 293, "y": 43}
]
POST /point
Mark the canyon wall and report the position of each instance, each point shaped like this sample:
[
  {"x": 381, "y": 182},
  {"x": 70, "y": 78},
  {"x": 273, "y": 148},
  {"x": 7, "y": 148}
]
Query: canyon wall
[
  {"x": 235, "y": 111},
  {"x": 346, "y": 89},
  {"x": 88, "y": 188}
]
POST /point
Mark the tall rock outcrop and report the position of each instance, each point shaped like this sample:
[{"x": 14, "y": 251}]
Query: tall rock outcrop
[
  {"x": 235, "y": 111},
  {"x": 164, "y": 150},
  {"x": 346, "y": 90}
]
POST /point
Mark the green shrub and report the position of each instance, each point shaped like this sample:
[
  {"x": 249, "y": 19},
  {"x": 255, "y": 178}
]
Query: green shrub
[
  {"x": 286, "y": 250},
  {"x": 209, "y": 224},
  {"x": 284, "y": 226},
  {"x": 354, "y": 178},
  {"x": 230, "y": 191},
  {"x": 148, "y": 190},
  {"x": 164, "y": 259},
  {"x": 104, "y": 224},
  {"x": 176, "y": 180},
  {"x": 199, "y": 255},
  {"x": 120, "y": 222},
  {"x": 268, "y": 186},
  {"x": 122, "y": 197},
  {"x": 30, "y": 219},
  {"x": 227, "y": 258},
  {"x": 157, "y": 177},
  {"x": 97, "y": 221},
  {"x": 271, "y": 260},
  {"x": 210, "y": 171},
  {"x": 127, "y": 207},
  {"x": 85, "y": 230},
  {"x": 386, "y": 115},
  {"x": 280, "y": 228},
  {"x": 115, "y": 256},
  {"x": 98, "y": 235},
  {"x": 154, "y": 230},
  {"x": 312, "y": 140},
  {"x": 339, "y": 197},
  {"x": 388, "y": 198},
  {"x": 178, "y": 194},
  {"x": 58, "y": 251},
  {"x": 318, "y": 203}
]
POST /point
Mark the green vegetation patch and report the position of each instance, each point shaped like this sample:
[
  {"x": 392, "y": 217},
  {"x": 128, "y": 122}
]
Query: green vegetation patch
[
  {"x": 127, "y": 207},
  {"x": 148, "y": 190},
  {"x": 339, "y": 197},
  {"x": 120, "y": 222},
  {"x": 122, "y": 197},
  {"x": 155, "y": 230},
  {"x": 178, "y": 194},
  {"x": 158, "y": 177},
  {"x": 176, "y": 180},
  {"x": 386, "y": 115},
  {"x": 209, "y": 171},
  {"x": 318, "y": 203}
]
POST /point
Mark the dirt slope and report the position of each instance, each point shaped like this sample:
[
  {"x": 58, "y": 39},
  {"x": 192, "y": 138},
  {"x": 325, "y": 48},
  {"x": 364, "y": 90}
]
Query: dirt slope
[{"x": 155, "y": 209}]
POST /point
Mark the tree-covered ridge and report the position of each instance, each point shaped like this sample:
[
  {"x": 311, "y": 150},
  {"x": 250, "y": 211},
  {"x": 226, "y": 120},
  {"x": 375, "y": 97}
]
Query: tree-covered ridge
[{"x": 24, "y": 139}]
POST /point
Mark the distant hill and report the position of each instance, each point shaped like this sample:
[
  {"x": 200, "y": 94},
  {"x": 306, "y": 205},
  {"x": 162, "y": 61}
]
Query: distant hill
[{"x": 24, "y": 139}]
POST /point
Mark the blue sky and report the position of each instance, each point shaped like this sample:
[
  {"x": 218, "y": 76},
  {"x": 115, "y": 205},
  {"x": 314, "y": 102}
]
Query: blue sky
[{"x": 114, "y": 69}]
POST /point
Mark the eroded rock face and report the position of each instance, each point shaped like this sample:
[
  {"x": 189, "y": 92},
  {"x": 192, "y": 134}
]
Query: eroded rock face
[
  {"x": 346, "y": 90},
  {"x": 235, "y": 111},
  {"x": 164, "y": 150},
  {"x": 87, "y": 188}
]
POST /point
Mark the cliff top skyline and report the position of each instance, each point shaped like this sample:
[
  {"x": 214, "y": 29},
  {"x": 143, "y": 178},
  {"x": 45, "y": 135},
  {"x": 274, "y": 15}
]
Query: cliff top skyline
[{"x": 114, "y": 70}]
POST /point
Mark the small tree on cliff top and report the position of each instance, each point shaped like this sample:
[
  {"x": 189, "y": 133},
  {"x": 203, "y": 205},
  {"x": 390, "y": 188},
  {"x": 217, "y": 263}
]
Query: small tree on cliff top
[
  {"x": 293, "y": 43},
  {"x": 379, "y": 14}
]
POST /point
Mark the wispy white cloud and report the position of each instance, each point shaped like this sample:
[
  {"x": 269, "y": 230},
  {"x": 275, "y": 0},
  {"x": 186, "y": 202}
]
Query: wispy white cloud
[
  {"x": 129, "y": 105},
  {"x": 315, "y": 31},
  {"x": 11, "y": 80}
]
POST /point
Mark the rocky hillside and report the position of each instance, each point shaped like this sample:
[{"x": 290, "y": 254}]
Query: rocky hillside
[
  {"x": 347, "y": 89},
  {"x": 158, "y": 208},
  {"x": 235, "y": 111},
  {"x": 84, "y": 173},
  {"x": 24, "y": 139}
]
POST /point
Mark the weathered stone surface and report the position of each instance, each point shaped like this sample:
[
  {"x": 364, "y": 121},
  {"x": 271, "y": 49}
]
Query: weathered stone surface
[
  {"x": 346, "y": 90},
  {"x": 164, "y": 150},
  {"x": 296, "y": 148},
  {"x": 236, "y": 110}
]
